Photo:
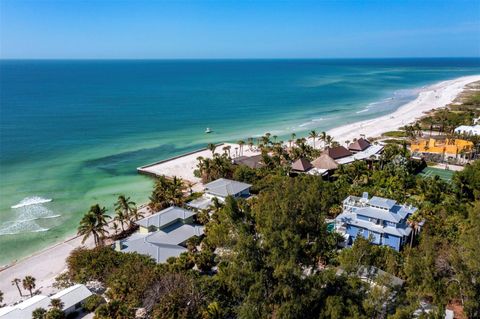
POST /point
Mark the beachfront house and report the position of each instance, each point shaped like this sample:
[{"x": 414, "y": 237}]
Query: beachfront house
[
  {"x": 382, "y": 220},
  {"x": 468, "y": 129},
  {"x": 337, "y": 152},
  {"x": 162, "y": 235},
  {"x": 449, "y": 147},
  {"x": 301, "y": 165},
  {"x": 359, "y": 145},
  {"x": 323, "y": 165},
  {"x": 72, "y": 298},
  {"x": 222, "y": 188},
  {"x": 254, "y": 162}
]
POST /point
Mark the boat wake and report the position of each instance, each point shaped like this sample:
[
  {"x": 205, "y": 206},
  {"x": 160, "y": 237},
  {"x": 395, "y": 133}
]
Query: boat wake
[
  {"x": 34, "y": 200},
  {"x": 31, "y": 217}
]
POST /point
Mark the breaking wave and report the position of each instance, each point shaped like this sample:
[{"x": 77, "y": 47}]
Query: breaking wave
[
  {"x": 29, "y": 215},
  {"x": 34, "y": 200}
]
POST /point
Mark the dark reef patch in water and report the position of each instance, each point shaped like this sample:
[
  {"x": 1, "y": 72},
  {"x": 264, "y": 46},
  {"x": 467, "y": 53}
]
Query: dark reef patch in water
[{"x": 125, "y": 163}]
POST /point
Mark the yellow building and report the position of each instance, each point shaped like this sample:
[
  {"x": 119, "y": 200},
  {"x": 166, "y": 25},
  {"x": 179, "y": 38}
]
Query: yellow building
[{"x": 448, "y": 146}]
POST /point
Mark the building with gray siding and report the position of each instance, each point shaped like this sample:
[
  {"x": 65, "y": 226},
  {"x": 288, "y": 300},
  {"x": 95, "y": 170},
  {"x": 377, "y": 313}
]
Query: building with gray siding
[{"x": 382, "y": 220}]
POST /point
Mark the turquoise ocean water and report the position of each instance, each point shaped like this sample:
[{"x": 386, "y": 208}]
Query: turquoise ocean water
[{"x": 74, "y": 131}]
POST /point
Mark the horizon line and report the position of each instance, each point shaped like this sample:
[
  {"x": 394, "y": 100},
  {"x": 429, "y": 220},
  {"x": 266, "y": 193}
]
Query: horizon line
[{"x": 237, "y": 58}]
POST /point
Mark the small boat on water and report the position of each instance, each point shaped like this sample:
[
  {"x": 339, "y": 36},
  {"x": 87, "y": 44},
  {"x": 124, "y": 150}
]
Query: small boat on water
[{"x": 208, "y": 130}]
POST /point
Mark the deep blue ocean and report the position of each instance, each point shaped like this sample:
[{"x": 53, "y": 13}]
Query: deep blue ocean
[{"x": 75, "y": 131}]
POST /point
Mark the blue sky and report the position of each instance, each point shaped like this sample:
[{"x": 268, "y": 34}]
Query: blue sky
[{"x": 238, "y": 29}]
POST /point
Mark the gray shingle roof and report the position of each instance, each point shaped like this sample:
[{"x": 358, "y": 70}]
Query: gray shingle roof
[
  {"x": 223, "y": 187},
  {"x": 165, "y": 217}
]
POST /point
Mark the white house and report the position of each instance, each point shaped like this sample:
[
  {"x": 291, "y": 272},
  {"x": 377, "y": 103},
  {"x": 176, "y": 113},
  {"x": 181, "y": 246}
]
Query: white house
[
  {"x": 71, "y": 297},
  {"x": 468, "y": 129},
  {"x": 162, "y": 235},
  {"x": 220, "y": 189}
]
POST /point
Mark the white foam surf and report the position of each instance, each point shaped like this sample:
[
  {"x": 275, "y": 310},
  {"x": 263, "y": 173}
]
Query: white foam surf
[
  {"x": 29, "y": 216},
  {"x": 34, "y": 200}
]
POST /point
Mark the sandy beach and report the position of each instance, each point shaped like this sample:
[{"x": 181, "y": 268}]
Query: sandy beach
[
  {"x": 432, "y": 97},
  {"x": 48, "y": 263}
]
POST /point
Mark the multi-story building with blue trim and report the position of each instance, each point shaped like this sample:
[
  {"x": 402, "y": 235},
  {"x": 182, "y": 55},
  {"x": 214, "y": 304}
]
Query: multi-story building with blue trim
[{"x": 382, "y": 220}]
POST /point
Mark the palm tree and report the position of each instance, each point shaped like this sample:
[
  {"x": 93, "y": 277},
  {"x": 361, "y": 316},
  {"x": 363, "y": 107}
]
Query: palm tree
[
  {"x": 328, "y": 140},
  {"x": 240, "y": 144},
  {"x": 175, "y": 191},
  {"x": 212, "y": 148},
  {"x": 250, "y": 143},
  {"x": 57, "y": 303},
  {"x": 115, "y": 227},
  {"x": 15, "y": 282},
  {"x": 414, "y": 222},
  {"x": 101, "y": 216},
  {"x": 122, "y": 218},
  {"x": 347, "y": 142},
  {"x": 135, "y": 215},
  {"x": 124, "y": 208},
  {"x": 265, "y": 140},
  {"x": 275, "y": 138},
  {"x": 93, "y": 224},
  {"x": 226, "y": 149},
  {"x": 88, "y": 227},
  {"x": 313, "y": 135},
  {"x": 39, "y": 313},
  {"x": 293, "y": 136},
  {"x": 323, "y": 137},
  {"x": 29, "y": 284}
]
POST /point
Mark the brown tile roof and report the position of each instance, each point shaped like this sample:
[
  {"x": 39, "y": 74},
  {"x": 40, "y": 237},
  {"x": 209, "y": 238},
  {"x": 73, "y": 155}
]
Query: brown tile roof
[
  {"x": 337, "y": 152},
  {"x": 359, "y": 145},
  {"x": 301, "y": 165},
  {"x": 255, "y": 161},
  {"x": 325, "y": 162}
]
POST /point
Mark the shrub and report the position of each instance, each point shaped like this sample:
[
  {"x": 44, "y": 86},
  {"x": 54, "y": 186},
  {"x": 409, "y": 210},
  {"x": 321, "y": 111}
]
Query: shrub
[
  {"x": 92, "y": 302},
  {"x": 395, "y": 134}
]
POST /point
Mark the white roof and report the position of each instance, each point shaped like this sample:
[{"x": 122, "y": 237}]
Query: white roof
[
  {"x": 203, "y": 202},
  {"x": 69, "y": 296},
  {"x": 224, "y": 187},
  {"x": 373, "y": 150},
  {"x": 165, "y": 217},
  {"x": 468, "y": 129},
  {"x": 24, "y": 309},
  {"x": 72, "y": 295}
]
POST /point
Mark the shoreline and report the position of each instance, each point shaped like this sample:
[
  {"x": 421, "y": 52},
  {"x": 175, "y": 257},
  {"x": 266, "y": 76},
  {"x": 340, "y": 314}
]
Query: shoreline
[
  {"x": 46, "y": 268},
  {"x": 432, "y": 97}
]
